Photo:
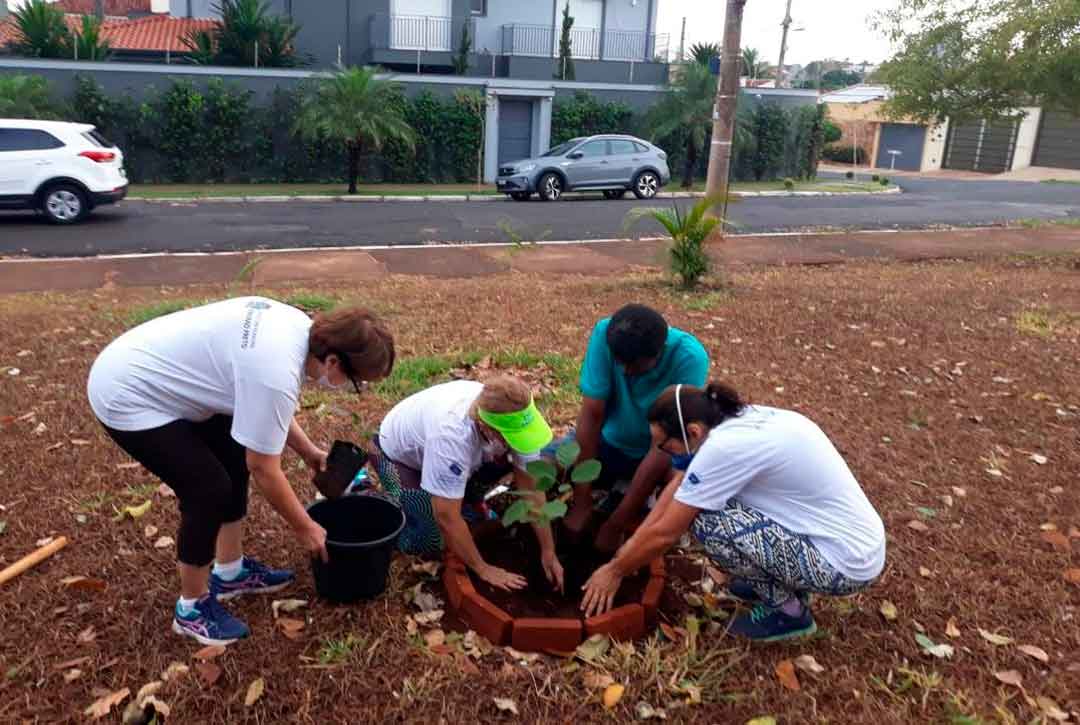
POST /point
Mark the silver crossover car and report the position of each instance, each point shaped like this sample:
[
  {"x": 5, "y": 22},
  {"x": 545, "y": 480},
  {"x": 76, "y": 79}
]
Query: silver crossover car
[{"x": 612, "y": 164}]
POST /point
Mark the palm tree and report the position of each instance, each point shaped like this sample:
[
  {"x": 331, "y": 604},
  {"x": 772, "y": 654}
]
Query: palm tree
[
  {"x": 247, "y": 27},
  {"x": 688, "y": 105},
  {"x": 40, "y": 31},
  {"x": 25, "y": 97},
  {"x": 87, "y": 44},
  {"x": 753, "y": 66},
  {"x": 703, "y": 53},
  {"x": 358, "y": 109}
]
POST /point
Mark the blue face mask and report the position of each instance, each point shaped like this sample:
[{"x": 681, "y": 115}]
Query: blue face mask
[{"x": 682, "y": 462}]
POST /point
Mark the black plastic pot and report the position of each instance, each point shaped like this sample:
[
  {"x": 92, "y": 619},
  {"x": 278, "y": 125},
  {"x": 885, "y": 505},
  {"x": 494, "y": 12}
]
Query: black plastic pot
[{"x": 361, "y": 533}]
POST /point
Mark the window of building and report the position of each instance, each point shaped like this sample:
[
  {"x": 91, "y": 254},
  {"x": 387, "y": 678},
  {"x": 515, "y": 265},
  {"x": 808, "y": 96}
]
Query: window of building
[{"x": 478, "y": 7}]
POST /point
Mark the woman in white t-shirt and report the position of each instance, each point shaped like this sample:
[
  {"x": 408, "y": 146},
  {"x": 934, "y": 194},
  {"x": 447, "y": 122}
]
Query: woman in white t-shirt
[
  {"x": 205, "y": 397},
  {"x": 438, "y": 451},
  {"x": 771, "y": 500}
]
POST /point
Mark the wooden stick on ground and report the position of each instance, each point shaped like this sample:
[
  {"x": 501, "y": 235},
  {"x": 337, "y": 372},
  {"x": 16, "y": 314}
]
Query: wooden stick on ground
[{"x": 32, "y": 559}]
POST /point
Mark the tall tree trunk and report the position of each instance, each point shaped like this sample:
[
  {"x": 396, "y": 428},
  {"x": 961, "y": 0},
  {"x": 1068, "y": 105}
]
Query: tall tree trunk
[
  {"x": 354, "y": 165},
  {"x": 691, "y": 162},
  {"x": 727, "y": 92}
]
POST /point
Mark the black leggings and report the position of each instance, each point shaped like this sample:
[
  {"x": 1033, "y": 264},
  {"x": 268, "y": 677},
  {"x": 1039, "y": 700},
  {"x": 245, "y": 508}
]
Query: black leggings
[{"x": 205, "y": 467}]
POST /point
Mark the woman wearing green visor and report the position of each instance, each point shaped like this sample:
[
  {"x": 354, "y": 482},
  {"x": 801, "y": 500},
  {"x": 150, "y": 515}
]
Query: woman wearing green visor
[{"x": 439, "y": 451}]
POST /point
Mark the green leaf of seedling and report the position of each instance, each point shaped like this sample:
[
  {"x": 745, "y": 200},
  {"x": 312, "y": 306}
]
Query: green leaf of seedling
[
  {"x": 553, "y": 510},
  {"x": 564, "y": 488},
  {"x": 568, "y": 453},
  {"x": 541, "y": 469},
  {"x": 544, "y": 484},
  {"x": 586, "y": 471},
  {"x": 518, "y": 512}
]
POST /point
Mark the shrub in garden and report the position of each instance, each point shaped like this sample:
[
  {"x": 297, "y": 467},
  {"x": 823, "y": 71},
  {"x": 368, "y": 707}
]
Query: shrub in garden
[
  {"x": 843, "y": 154},
  {"x": 849, "y": 175},
  {"x": 585, "y": 115},
  {"x": 561, "y": 475},
  {"x": 875, "y": 177},
  {"x": 687, "y": 108},
  {"x": 885, "y": 181},
  {"x": 26, "y": 97},
  {"x": 688, "y": 260},
  {"x": 770, "y": 139},
  {"x": 789, "y": 184}
]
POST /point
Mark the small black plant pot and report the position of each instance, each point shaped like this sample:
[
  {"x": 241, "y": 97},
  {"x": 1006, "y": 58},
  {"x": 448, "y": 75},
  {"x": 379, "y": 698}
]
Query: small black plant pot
[
  {"x": 361, "y": 533},
  {"x": 342, "y": 465}
]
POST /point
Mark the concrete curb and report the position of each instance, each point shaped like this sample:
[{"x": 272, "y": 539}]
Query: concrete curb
[{"x": 277, "y": 199}]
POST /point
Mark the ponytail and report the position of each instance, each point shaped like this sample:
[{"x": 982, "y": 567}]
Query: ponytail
[{"x": 711, "y": 406}]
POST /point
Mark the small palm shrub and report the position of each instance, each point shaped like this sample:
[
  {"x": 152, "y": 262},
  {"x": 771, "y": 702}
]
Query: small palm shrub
[{"x": 687, "y": 257}]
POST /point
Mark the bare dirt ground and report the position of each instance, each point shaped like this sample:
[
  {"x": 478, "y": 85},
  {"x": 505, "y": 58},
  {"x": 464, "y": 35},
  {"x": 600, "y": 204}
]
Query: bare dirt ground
[{"x": 953, "y": 390}]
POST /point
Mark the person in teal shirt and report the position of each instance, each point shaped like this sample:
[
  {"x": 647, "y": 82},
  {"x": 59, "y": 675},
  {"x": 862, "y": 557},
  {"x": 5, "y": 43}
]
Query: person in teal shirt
[{"x": 632, "y": 357}]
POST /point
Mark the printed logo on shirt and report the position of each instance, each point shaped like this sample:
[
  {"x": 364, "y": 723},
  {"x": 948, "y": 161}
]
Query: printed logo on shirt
[
  {"x": 456, "y": 469},
  {"x": 693, "y": 479},
  {"x": 258, "y": 305},
  {"x": 250, "y": 329}
]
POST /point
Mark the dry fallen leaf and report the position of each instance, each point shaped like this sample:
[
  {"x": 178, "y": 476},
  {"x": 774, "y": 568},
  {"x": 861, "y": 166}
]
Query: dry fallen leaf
[
  {"x": 924, "y": 572},
  {"x": 163, "y": 542},
  {"x": 87, "y": 636},
  {"x": 959, "y": 492},
  {"x": 1072, "y": 576},
  {"x": 431, "y": 568},
  {"x": 150, "y": 531},
  {"x": 597, "y": 680},
  {"x": 807, "y": 663},
  {"x": 785, "y": 672},
  {"x": 1057, "y": 540},
  {"x": 102, "y": 706},
  {"x": 612, "y": 695},
  {"x": 254, "y": 691},
  {"x": 291, "y": 628},
  {"x": 174, "y": 670},
  {"x": 917, "y": 525},
  {"x": 435, "y": 637},
  {"x": 68, "y": 664},
  {"x": 937, "y": 650},
  {"x": 133, "y": 512},
  {"x": 428, "y": 618},
  {"x": 130, "y": 465},
  {"x": 888, "y": 610},
  {"x": 1051, "y": 709},
  {"x": 996, "y": 639},
  {"x": 645, "y": 711},
  {"x": 84, "y": 584},
  {"x": 505, "y": 704},
  {"x": 1032, "y": 651},
  {"x": 209, "y": 652},
  {"x": 669, "y": 632},
  {"x": 79, "y": 442},
  {"x": 1039, "y": 459},
  {"x": 1009, "y": 677},
  {"x": 951, "y": 629},
  {"x": 286, "y": 605},
  {"x": 72, "y": 675},
  {"x": 209, "y": 673}
]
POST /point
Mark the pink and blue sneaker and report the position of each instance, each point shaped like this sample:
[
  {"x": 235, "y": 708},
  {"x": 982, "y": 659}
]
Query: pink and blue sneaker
[
  {"x": 768, "y": 624},
  {"x": 254, "y": 578},
  {"x": 209, "y": 623}
]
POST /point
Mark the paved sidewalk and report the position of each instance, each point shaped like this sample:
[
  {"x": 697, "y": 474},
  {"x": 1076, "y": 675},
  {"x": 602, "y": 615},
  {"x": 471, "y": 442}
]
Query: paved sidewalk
[{"x": 592, "y": 258}]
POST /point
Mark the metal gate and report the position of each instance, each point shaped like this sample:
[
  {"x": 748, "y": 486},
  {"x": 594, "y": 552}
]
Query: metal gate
[
  {"x": 1059, "y": 141},
  {"x": 901, "y": 147},
  {"x": 515, "y": 130},
  {"x": 984, "y": 146}
]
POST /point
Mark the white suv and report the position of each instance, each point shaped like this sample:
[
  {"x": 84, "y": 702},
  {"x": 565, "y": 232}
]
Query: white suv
[{"x": 62, "y": 169}]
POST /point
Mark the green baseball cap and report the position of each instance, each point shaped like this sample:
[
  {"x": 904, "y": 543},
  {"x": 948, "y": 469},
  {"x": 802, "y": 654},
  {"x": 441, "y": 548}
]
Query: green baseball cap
[{"x": 525, "y": 431}]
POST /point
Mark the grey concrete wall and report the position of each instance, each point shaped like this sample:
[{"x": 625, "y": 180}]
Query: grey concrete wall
[
  {"x": 589, "y": 71},
  {"x": 503, "y": 12}
]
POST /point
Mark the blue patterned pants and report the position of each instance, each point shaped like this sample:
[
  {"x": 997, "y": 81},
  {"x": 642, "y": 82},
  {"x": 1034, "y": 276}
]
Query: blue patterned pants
[{"x": 778, "y": 563}]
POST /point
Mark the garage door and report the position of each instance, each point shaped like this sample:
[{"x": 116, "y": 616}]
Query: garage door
[
  {"x": 1059, "y": 141},
  {"x": 515, "y": 130},
  {"x": 985, "y": 146},
  {"x": 902, "y": 142}
]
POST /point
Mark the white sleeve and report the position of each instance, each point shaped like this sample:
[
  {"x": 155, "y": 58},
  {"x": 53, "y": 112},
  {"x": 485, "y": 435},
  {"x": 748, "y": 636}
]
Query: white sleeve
[
  {"x": 445, "y": 469},
  {"x": 261, "y": 417},
  {"x": 717, "y": 473}
]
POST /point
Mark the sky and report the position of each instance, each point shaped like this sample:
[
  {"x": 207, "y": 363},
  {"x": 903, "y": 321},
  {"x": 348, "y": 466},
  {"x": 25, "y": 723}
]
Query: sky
[{"x": 835, "y": 29}]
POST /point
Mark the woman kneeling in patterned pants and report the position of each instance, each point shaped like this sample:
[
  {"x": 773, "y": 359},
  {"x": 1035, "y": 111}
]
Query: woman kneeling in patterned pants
[{"x": 771, "y": 500}]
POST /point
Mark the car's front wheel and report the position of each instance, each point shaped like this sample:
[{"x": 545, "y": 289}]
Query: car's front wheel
[
  {"x": 64, "y": 204},
  {"x": 646, "y": 185},
  {"x": 551, "y": 187},
  {"x": 520, "y": 195}
]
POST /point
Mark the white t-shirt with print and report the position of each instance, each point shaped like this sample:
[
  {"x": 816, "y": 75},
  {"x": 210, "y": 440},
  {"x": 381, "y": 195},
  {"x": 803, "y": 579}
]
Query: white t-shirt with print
[
  {"x": 432, "y": 432},
  {"x": 782, "y": 464},
  {"x": 242, "y": 357}
]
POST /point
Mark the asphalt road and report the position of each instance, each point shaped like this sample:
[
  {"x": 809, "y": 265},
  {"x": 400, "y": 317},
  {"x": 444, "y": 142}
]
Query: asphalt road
[{"x": 134, "y": 226}]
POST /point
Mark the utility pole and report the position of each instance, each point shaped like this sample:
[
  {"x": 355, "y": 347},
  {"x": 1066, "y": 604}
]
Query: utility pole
[
  {"x": 99, "y": 10},
  {"x": 682, "y": 41},
  {"x": 780, "y": 80},
  {"x": 727, "y": 96}
]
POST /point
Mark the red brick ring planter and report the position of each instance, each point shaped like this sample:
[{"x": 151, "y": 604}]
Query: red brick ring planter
[{"x": 528, "y": 634}]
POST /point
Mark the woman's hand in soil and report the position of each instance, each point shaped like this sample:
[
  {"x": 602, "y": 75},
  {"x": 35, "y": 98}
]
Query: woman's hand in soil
[
  {"x": 501, "y": 578},
  {"x": 600, "y": 590},
  {"x": 553, "y": 569},
  {"x": 313, "y": 537}
]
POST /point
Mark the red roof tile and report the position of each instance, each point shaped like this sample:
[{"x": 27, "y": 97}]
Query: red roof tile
[{"x": 155, "y": 32}]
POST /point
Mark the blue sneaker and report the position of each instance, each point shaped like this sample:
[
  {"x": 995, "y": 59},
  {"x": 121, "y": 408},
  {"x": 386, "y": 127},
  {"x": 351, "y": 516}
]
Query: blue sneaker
[
  {"x": 255, "y": 578},
  {"x": 765, "y": 624},
  {"x": 743, "y": 590},
  {"x": 209, "y": 623}
]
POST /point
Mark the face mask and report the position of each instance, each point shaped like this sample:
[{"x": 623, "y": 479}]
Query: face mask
[
  {"x": 493, "y": 449},
  {"x": 324, "y": 382},
  {"x": 682, "y": 461}
]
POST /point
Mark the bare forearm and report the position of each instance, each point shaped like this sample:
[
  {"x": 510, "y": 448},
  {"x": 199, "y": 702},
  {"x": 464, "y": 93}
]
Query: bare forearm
[
  {"x": 587, "y": 432},
  {"x": 459, "y": 540},
  {"x": 298, "y": 440},
  {"x": 648, "y": 475},
  {"x": 663, "y": 501},
  {"x": 645, "y": 545},
  {"x": 275, "y": 487}
]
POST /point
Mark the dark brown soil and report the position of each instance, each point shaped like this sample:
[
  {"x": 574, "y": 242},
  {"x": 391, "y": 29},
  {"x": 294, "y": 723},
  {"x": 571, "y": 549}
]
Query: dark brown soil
[
  {"x": 920, "y": 373},
  {"x": 516, "y": 550}
]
